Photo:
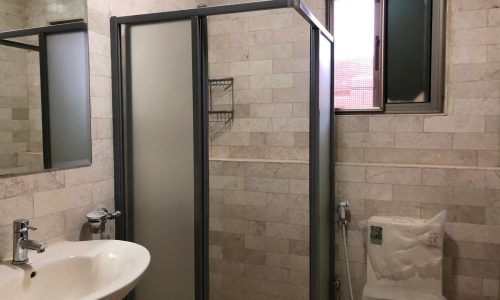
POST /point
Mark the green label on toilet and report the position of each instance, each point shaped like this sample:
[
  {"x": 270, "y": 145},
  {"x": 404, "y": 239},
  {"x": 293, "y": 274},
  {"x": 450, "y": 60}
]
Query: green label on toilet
[{"x": 376, "y": 235}]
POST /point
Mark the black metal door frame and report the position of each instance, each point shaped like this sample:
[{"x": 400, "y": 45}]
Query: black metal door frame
[
  {"x": 122, "y": 140},
  {"x": 122, "y": 125}
]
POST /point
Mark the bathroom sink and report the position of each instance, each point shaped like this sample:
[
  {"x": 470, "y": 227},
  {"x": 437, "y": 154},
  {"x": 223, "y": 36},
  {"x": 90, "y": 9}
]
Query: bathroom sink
[{"x": 89, "y": 270}]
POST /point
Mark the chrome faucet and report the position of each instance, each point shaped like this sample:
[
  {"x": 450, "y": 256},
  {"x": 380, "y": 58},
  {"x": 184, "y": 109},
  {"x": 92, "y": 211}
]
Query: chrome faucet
[{"x": 21, "y": 242}]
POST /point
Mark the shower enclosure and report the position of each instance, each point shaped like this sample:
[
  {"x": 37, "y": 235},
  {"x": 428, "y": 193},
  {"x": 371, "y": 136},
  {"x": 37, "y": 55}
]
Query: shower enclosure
[{"x": 221, "y": 218}]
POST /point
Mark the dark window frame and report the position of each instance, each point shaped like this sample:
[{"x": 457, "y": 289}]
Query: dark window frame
[{"x": 437, "y": 90}]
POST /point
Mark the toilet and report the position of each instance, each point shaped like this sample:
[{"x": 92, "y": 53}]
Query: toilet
[{"x": 404, "y": 258}]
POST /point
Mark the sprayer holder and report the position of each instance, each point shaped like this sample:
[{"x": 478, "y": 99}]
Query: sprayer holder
[
  {"x": 344, "y": 213},
  {"x": 97, "y": 219}
]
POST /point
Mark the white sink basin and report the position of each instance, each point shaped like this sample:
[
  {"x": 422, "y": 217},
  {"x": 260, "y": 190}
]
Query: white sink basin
[{"x": 104, "y": 269}]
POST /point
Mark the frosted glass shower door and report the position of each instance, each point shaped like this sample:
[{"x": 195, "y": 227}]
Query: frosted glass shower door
[{"x": 162, "y": 151}]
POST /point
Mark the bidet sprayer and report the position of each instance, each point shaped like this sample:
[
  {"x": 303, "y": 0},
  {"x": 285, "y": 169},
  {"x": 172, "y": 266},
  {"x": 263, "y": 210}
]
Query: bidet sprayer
[
  {"x": 344, "y": 216},
  {"x": 343, "y": 212}
]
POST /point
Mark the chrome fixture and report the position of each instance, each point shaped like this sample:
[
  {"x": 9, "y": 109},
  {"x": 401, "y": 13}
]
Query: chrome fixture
[
  {"x": 98, "y": 218},
  {"x": 344, "y": 212},
  {"x": 21, "y": 242}
]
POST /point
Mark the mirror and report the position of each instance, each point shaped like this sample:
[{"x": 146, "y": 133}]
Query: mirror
[{"x": 44, "y": 88}]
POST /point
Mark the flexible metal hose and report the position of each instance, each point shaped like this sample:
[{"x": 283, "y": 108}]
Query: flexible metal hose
[{"x": 344, "y": 224}]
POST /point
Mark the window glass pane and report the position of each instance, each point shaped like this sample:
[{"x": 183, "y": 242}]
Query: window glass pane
[
  {"x": 408, "y": 50},
  {"x": 354, "y": 32}
]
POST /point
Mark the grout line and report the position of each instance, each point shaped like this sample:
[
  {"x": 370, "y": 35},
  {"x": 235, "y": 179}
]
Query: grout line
[
  {"x": 395, "y": 165},
  {"x": 263, "y": 160}
]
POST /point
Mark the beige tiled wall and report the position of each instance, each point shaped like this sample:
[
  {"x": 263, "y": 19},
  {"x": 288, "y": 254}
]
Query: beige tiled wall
[
  {"x": 42, "y": 12},
  {"x": 418, "y": 165},
  {"x": 259, "y": 200},
  {"x": 259, "y": 209},
  {"x": 14, "y": 118},
  {"x": 57, "y": 202},
  {"x": 259, "y": 230},
  {"x": 267, "y": 54},
  {"x": 14, "y": 123},
  {"x": 35, "y": 104},
  {"x": 11, "y": 15}
]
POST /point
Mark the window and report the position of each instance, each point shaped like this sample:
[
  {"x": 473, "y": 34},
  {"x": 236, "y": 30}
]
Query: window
[
  {"x": 356, "y": 59},
  {"x": 388, "y": 55}
]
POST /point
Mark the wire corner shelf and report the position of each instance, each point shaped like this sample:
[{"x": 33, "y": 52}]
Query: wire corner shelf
[{"x": 221, "y": 105}]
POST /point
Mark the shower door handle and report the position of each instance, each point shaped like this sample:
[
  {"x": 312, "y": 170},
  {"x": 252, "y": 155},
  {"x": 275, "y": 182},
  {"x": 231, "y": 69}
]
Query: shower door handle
[{"x": 376, "y": 60}]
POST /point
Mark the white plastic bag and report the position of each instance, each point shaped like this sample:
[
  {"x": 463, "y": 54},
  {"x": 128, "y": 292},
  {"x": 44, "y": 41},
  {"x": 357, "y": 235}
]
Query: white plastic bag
[{"x": 405, "y": 247}]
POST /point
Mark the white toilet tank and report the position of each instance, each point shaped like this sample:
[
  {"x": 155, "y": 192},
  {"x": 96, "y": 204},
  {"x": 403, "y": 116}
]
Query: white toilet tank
[{"x": 404, "y": 258}]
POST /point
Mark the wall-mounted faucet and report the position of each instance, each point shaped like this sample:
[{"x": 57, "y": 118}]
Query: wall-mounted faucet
[
  {"x": 98, "y": 218},
  {"x": 21, "y": 243}
]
